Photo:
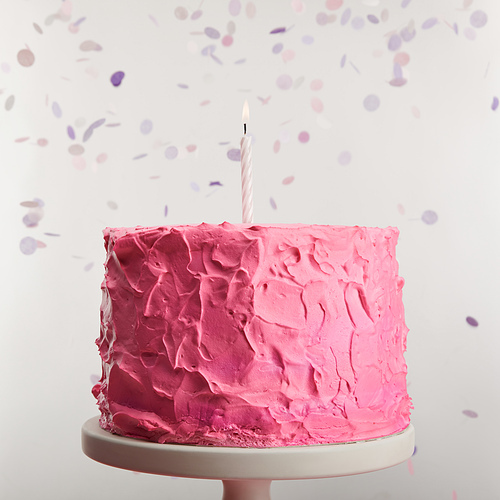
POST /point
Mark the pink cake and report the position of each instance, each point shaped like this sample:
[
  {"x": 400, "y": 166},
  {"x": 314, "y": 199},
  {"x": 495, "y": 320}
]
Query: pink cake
[{"x": 252, "y": 335}]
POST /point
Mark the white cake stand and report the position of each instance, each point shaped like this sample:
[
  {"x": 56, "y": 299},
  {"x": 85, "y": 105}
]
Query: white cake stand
[{"x": 246, "y": 473}]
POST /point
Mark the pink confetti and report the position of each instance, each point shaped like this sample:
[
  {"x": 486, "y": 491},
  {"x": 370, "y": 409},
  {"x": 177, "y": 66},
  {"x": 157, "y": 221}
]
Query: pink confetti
[
  {"x": 429, "y": 23},
  {"x": 454, "y": 495},
  {"x": 234, "y": 7},
  {"x": 251, "y": 10},
  {"x": 205, "y": 102},
  {"x": 304, "y": 137},
  {"x": 384, "y": 15},
  {"x": 288, "y": 180},
  {"x": 415, "y": 111},
  {"x": 288, "y": 55},
  {"x": 344, "y": 158},
  {"x": 101, "y": 158},
  {"x": 316, "y": 85},
  {"x": 321, "y": 18},
  {"x": 334, "y": 4},
  {"x": 76, "y": 150},
  {"x": 191, "y": 148},
  {"x": 25, "y": 58},
  {"x": 78, "y": 162},
  {"x": 470, "y": 413},
  {"x": 6, "y": 67},
  {"x": 42, "y": 142},
  {"x": 21, "y": 139},
  {"x": 401, "y": 209},
  {"x": 227, "y": 40},
  {"x": 196, "y": 15},
  {"x": 297, "y": 6},
  {"x": 402, "y": 58},
  {"x": 273, "y": 203},
  {"x": 181, "y": 13},
  {"x": 410, "y": 467},
  {"x": 398, "y": 82},
  {"x": 317, "y": 104},
  {"x": 284, "y": 82},
  {"x": 276, "y": 146},
  {"x": 470, "y": 33}
]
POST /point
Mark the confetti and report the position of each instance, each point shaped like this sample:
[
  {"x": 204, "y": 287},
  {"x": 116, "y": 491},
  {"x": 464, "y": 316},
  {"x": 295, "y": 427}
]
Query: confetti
[
  {"x": 276, "y": 146},
  {"x": 415, "y": 111},
  {"x": 42, "y": 142},
  {"x": 405, "y": 3},
  {"x": 138, "y": 157},
  {"x": 33, "y": 218},
  {"x": 52, "y": 234},
  {"x": 196, "y": 14},
  {"x": 113, "y": 205},
  {"x": 28, "y": 245},
  {"x": 195, "y": 187},
  {"x": 191, "y": 148},
  {"x": 251, "y": 10},
  {"x": 231, "y": 28},
  {"x": 227, "y": 40},
  {"x": 371, "y": 102},
  {"x": 181, "y": 13},
  {"x": 9, "y": 103},
  {"x": 384, "y": 15},
  {"x": 398, "y": 82},
  {"x": 116, "y": 78},
  {"x": 234, "y": 154},
  {"x": 407, "y": 35},
  {"x": 288, "y": 180},
  {"x": 346, "y": 15},
  {"x": 470, "y": 33},
  {"x": 494, "y": 104},
  {"x": 343, "y": 60},
  {"x": 321, "y": 18},
  {"x": 334, "y": 4},
  {"x": 402, "y": 58},
  {"x": 394, "y": 42},
  {"x": 297, "y": 6},
  {"x": 88, "y": 266},
  {"x": 216, "y": 59},
  {"x": 317, "y": 104},
  {"x": 146, "y": 127},
  {"x": 358, "y": 23},
  {"x": 401, "y": 209},
  {"x": 29, "y": 204},
  {"x": 273, "y": 203},
  {"x": 429, "y": 217},
  {"x": 429, "y": 23},
  {"x": 472, "y": 321},
  {"x": 101, "y": 158},
  {"x": 22, "y": 139},
  {"x": 373, "y": 19},
  {"x": 182, "y": 86},
  {"x": 215, "y": 183},
  {"x": 90, "y": 130},
  {"x": 90, "y": 45},
  {"x": 212, "y": 33},
  {"x": 344, "y": 158},
  {"x": 208, "y": 50},
  {"x": 277, "y": 48},
  {"x": 171, "y": 153},
  {"x": 56, "y": 110},
  {"x": 79, "y": 162},
  {"x": 478, "y": 19},
  {"x": 470, "y": 413},
  {"x": 165, "y": 211},
  {"x": 6, "y": 67},
  {"x": 76, "y": 150},
  {"x": 304, "y": 137},
  {"x": 307, "y": 40},
  {"x": 284, "y": 82},
  {"x": 410, "y": 467},
  {"x": 277, "y": 30},
  {"x": 288, "y": 55},
  {"x": 71, "y": 132},
  {"x": 25, "y": 58},
  {"x": 37, "y": 28},
  {"x": 234, "y": 7}
]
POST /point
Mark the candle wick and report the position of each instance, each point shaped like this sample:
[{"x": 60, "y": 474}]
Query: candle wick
[{"x": 245, "y": 129}]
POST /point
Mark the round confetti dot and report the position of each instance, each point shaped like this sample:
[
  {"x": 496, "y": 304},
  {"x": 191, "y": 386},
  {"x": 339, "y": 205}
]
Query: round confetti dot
[
  {"x": 470, "y": 413},
  {"x": 494, "y": 104},
  {"x": 394, "y": 42},
  {"x": 227, "y": 40},
  {"x": 79, "y": 162},
  {"x": 371, "y": 102},
  {"x": 181, "y": 13},
  {"x": 234, "y": 7},
  {"x": 344, "y": 158},
  {"x": 478, "y": 19},
  {"x": 146, "y": 127},
  {"x": 56, "y": 110},
  {"x": 317, "y": 104},
  {"x": 402, "y": 58},
  {"x": 28, "y": 245},
  {"x": 284, "y": 82},
  {"x": 358, "y": 23},
  {"x": 288, "y": 180},
  {"x": 284, "y": 136},
  {"x": 196, "y": 14},
  {"x": 470, "y": 33},
  {"x": 117, "y": 77},
  {"x": 234, "y": 154},
  {"x": 429, "y": 217},
  {"x": 307, "y": 40},
  {"x": 321, "y": 18},
  {"x": 429, "y": 23},
  {"x": 373, "y": 19},
  {"x": 76, "y": 150},
  {"x": 9, "y": 103},
  {"x": 277, "y": 48},
  {"x": 304, "y": 137},
  {"x": 112, "y": 204},
  {"x": 316, "y": 84},
  {"x": 6, "y": 67},
  {"x": 42, "y": 142},
  {"x": 251, "y": 10},
  {"x": 471, "y": 321},
  {"x": 101, "y": 158},
  {"x": 33, "y": 218},
  {"x": 276, "y": 146},
  {"x": 212, "y": 33},
  {"x": 171, "y": 153},
  {"x": 25, "y": 58},
  {"x": 288, "y": 55},
  {"x": 191, "y": 148},
  {"x": 346, "y": 15},
  {"x": 334, "y": 4}
]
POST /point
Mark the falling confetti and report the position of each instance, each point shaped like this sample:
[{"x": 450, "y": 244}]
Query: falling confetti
[
  {"x": 346, "y": 15},
  {"x": 227, "y": 40},
  {"x": 371, "y": 102},
  {"x": 316, "y": 84},
  {"x": 373, "y": 19},
  {"x": 212, "y": 33},
  {"x": 101, "y": 158},
  {"x": 478, "y": 19},
  {"x": 429, "y": 217},
  {"x": 358, "y": 23},
  {"x": 182, "y": 86},
  {"x": 394, "y": 42},
  {"x": 288, "y": 180},
  {"x": 171, "y": 153},
  {"x": 56, "y": 110},
  {"x": 90, "y": 130},
  {"x": 410, "y": 467},
  {"x": 304, "y": 137},
  {"x": 215, "y": 183},
  {"x": 9, "y": 103},
  {"x": 321, "y": 18},
  {"x": 317, "y": 104},
  {"x": 37, "y": 28},
  {"x": 42, "y": 142},
  {"x": 277, "y": 48},
  {"x": 89, "y": 46},
  {"x": 181, "y": 13},
  {"x": 195, "y": 187},
  {"x": 116, "y": 78},
  {"x": 334, "y": 4},
  {"x": 307, "y": 40},
  {"x": 113, "y": 205},
  {"x": 251, "y": 10},
  {"x": 273, "y": 203},
  {"x": 343, "y": 60},
  {"x": 28, "y": 245},
  {"x": 494, "y": 104},
  {"x": 276, "y": 146},
  {"x": 234, "y": 154},
  {"x": 88, "y": 266},
  {"x": 402, "y": 58},
  {"x": 284, "y": 82},
  {"x": 407, "y": 35},
  {"x": 165, "y": 211},
  {"x": 277, "y": 30},
  {"x": 25, "y": 58},
  {"x": 71, "y": 132},
  {"x": 191, "y": 148},
  {"x": 234, "y": 7},
  {"x": 288, "y": 55},
  {"x": 429, "y": 23},
  {"x": 470, "y": 413},
  {"x": 76, "y": 150},
  {"x": 471, "y": 321},
  {"x": 146, "y": 127},
  {"x": 344, "y": 158},
  {"x": 196, "y": 14},
  {"x": 139, "y": 157}
]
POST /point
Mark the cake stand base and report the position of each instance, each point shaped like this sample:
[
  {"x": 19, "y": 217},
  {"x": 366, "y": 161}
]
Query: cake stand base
[{"x": 246, "y": 473}]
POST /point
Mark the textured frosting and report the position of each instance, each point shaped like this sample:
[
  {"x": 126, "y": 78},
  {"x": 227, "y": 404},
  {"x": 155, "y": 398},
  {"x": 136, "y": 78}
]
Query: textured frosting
[{"x": 252, "y": 335}]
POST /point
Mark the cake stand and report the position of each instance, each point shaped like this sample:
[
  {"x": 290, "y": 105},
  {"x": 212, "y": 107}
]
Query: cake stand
[{"x": 246, "y": 473}]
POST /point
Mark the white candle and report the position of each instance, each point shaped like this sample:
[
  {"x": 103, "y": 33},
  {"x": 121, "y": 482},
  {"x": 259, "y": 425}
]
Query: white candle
[{"x": 246, "y": 171}]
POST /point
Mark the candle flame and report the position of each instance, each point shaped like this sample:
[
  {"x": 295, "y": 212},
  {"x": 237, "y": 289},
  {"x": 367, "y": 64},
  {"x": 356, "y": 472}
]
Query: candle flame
[{"x": 245, "y": 115}]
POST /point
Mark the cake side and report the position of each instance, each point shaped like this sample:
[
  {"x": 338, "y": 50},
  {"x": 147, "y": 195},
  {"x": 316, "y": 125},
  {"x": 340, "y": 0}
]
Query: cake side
[{"x": 252, "y": 335}]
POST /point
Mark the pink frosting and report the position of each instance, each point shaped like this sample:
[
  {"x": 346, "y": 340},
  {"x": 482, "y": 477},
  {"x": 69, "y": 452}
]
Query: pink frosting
[{"x": 252, "y": 335}]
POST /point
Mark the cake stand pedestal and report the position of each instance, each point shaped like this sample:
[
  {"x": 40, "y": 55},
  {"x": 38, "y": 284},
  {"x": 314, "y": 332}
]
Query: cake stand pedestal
[{"x": 246, "y": 473}]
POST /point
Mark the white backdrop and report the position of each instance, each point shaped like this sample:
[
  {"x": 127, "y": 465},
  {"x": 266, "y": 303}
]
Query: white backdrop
[{"x": 365, "y": 112}]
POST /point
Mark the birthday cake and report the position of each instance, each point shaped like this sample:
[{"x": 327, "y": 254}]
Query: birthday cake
[{"x": 252, "y": 335}]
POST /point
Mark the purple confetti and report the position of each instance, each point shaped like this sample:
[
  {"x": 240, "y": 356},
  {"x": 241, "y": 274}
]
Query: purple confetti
[
  {"x": 138, "y": 157},
  {"x": 51, "y": 234},
  {"x": 273, "y": 203},
  {"x": 373, "y": 19},
  {"x": 196, "y": 14},
  {"x": 371, "y": 102},
  {"x": 165, "y": 211},
  {"x": 429, "y": 217},
  {"x": 234, "y": 7},
  {"x": 182, "y": 86},
  {"x": 216, "y": 59},
  {"x": 342, "y": 61},
  {"x": 397, "y": 71},
  {"x": 494, "y": 104},
  {"x": 307, "y": 39},
  {"x": 28, "y": 245},
  {"x": 398, "y": 82},
  {"x": 277, "y": 48},
  {"x": 471, "y": 321},
  {"x": 321, "y": 18},
  {"x": 208, "y": 50},
  {"x": 195, "y": 187},
  {"x": 405, "y": 3},
  {"x": 277, "y": 30},
  {"x": 212, "y": 33},
  {"x": 344, "y": 158},
  {"x": 71, "y": 132},
  {"x": 478, "y": 19},
  {"x": 56, "y": 110},
  {"x": 470, "y": 413},
  {"x": 346, "y": 15},
  {"x": 90, "y": 130},
  {"x": 394, "y": 42},
  {"x": 171, "y": 153},
  {"x": 234, "y": 154},
  {"x": 116, "y": 78},
  {"x": 407, "y": 35},
  {"x": 146, "y": 127},
  {"x": 88, "y": 266},
  {"x": 358, "y": 23},
  {"x": 94, "y": 379},
  {"x": 215, "y": 183},
  {"x": 240, "y": 61},
  {"x": 284, "y": 82},
  {"x": 432, "y": 21}
]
